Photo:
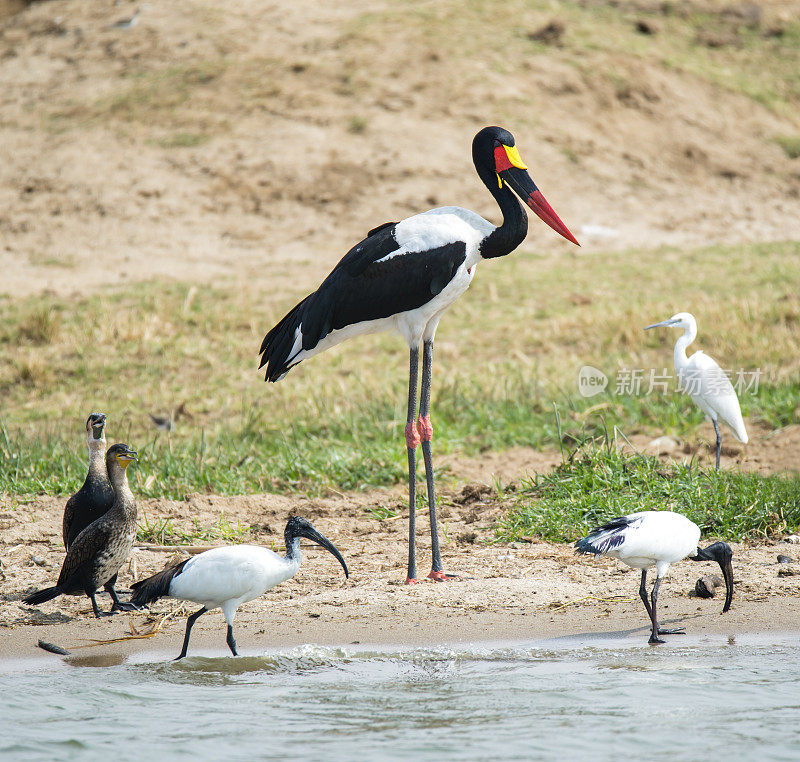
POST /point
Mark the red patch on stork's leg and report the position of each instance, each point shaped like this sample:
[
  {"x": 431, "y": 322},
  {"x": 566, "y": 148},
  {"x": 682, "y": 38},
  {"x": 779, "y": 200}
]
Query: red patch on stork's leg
[
  {"x": 425, "y": 428},
  {"x": 412, "y": 436}
]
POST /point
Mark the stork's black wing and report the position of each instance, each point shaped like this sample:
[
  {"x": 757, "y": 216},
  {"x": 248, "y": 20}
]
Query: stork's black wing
[{"x": 365, "y": 285}]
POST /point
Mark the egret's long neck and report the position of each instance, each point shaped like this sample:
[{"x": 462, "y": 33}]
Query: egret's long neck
[
  {"x": 504, "y": 239},
  {"x": 679, "y": 353}
]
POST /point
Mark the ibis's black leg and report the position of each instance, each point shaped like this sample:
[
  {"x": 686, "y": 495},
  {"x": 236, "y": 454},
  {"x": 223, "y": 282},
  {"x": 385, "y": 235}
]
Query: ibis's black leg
[
  {"x": 426, "y": 435},
  {"x": 653, "y": 619},
  {"x": 189, "y": 624},
  {"x": 650, "y": 609},
  {"x": 117, "y": 604},
  {"x": 643, "y": 594},
  {"x": 719, "y": 442},
  {"x": 230, "y": 641},
  {"x": 412, "y": 440}
]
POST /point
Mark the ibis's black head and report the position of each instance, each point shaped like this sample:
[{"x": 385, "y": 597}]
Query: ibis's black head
[
  {"x": 721, "y": 553},
  {"x": 299, "y": 527},
  {"x": 95, "y": 426},
  {"x": 499, "y": 164}
]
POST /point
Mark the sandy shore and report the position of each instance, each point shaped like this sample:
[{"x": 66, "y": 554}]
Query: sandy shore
[{"x": 507, "y": 592}]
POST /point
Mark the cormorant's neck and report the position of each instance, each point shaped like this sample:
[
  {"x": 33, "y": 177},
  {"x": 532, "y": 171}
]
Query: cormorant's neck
[
  {"x": 123, "y": 497},
  {"x": 505, "y": 238},
  {"x": 97, "y": 456}
]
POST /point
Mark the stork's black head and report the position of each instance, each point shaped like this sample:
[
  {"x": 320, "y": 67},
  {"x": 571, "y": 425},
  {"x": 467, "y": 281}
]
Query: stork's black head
[
  {"x": 300, "y": 527},
  {"x": 95, "y": 426},
  {"x": 498, "y": 162}
]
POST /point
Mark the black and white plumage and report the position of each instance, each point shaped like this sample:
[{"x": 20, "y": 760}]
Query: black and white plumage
[
  {"x": 656, "y": 538},
  {"x": 228, "y": 577},
  {"x": 403, "y": 276},
  {"x": 97, "y": 553}
]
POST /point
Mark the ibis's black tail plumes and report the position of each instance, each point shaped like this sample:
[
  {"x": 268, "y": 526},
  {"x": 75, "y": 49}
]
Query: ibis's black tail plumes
[
  {"x": 155, "y": 587},
  {"x": 40, "y": 596},
  {"x": 276, "y": 349},
  {"x": 607, "y": 537}
]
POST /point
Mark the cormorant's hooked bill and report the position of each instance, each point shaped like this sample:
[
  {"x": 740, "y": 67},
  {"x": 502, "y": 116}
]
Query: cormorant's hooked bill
[
  {"x": 511, "y": 169},
  {"x": 97, "y": 421}
]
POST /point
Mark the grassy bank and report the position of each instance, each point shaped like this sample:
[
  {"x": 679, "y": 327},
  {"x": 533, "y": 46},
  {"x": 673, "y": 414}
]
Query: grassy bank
[{"x": 596, "y": 484}]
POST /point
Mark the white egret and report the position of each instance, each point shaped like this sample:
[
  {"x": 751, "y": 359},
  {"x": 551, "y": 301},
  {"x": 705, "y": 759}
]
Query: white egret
[
  {"x": 403, "y": 276},
  {"x": 704, "y": 381},
  {"x": 228, "y": 577},
  {"x": 656, "y": 538}
]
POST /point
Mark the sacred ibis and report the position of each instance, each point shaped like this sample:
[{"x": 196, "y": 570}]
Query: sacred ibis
[
  {"x": 656, "y": 538},
  {"x": 95, "y": 556},
  {"x": 228, "y": 577},
  {"x": 704, "y": 381},
  {"x": 402, "y": 277}
]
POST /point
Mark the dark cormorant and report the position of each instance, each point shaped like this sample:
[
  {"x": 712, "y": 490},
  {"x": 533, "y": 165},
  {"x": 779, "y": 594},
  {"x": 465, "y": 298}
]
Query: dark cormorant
[{"x": 97, "y": 553}]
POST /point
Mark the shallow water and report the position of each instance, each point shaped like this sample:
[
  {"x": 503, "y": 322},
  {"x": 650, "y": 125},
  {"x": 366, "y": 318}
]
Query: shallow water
[{"x": 694, "y": 698}]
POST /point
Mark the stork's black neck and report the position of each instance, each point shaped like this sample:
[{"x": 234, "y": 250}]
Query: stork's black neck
[{"x": 505, "y": 238}]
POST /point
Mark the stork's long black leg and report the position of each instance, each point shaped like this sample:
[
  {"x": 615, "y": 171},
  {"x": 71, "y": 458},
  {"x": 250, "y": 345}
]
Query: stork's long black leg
[
  {"x": 230, "y": 641},
  {"x": 189, "y": 624},
  {"x": 719, "y": 442},
  {"x": 643, "y": 596},
  {"x": 412, "y": 440},
  {"x": 117, "y": 604},
  {"x": 426, "y": 435}
]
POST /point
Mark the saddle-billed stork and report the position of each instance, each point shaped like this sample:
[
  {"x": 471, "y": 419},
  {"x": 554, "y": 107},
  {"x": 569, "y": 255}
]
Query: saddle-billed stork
[
  {"x": 704, "y": 381},
  {"x": 403, "y": 276},
  {"x": 656, "y": 538}
]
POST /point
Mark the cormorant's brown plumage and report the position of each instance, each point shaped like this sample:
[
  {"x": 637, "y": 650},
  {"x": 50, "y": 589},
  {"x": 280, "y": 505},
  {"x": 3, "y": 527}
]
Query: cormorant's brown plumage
[{"x": 97, "y": 553}]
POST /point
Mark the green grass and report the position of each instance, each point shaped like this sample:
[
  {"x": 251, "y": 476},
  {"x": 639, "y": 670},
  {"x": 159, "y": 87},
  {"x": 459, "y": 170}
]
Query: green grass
[
  {"x": 790, "y": 145},
  {"x": 598, "y": 483},
  {"x": 337, "y": 421},
  {"x": 166, "y": 532}
]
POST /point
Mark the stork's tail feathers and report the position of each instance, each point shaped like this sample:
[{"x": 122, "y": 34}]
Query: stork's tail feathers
[
  {"x": 40, "y": 596},
  {"x": 279, "y": 348},
  {"x": 155, "y": 587},
  {"x": 604, "y": 538}
]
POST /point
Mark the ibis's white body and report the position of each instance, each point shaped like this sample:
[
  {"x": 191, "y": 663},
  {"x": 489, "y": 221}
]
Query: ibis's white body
[
  {"x": 706, "y": 383},
  {"x": 653, "y": 538},
  {"x": 228, "y": 577},
  {"x": 418, "y": 234}
]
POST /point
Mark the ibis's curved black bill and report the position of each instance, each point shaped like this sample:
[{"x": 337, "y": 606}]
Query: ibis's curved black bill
[
  {"x": 312, "y": 534},
  {"x": 721, "y": 553},
  {"x": 522, "y": 184}
]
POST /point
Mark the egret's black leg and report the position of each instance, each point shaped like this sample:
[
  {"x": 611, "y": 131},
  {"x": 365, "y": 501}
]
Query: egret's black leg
[
  {"x": 117, "y": 604},
  {"x": 189, "y": 624},
  {"x": 425, "y": 429},
  {"x": 719, "y": 442},
  {"x": 230, "y": 641},
  {"x": 412, "y": 440}
]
